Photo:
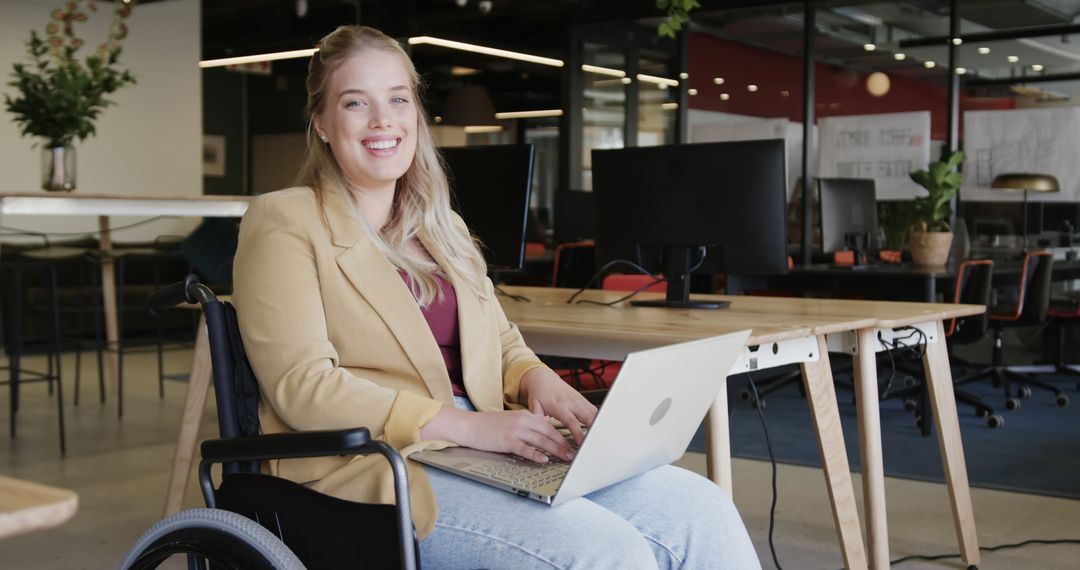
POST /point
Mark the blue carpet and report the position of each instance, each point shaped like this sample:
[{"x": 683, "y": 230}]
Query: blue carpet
[{"x": 1036, "y": 451}]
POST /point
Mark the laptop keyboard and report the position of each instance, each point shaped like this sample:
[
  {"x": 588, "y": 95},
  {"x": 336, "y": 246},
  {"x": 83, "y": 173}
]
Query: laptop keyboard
[{"x": 521, "y": 472}]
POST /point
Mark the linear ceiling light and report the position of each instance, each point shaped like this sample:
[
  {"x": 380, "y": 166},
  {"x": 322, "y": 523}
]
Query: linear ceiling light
[
  {"x": 421, "y": 40},
  {"x": 529, "y": 114},
  {"x": 478, "y": 129},
  {"x": 257, "y": 58},
  {"x": 603, "y": 70},
  {"x": 657, "y": 80}
]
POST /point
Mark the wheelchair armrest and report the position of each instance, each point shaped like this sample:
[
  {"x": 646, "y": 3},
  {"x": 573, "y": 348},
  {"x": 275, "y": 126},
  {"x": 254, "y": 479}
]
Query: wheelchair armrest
[
  {"x": 288, "y": 445},
  {"x": 315, "y": 444}
]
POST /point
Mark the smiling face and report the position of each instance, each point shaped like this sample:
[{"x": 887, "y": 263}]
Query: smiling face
[{"x": 369, "y": 119}]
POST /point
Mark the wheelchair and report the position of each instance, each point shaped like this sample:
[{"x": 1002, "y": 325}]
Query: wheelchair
[{"x": 257, "y": 521}]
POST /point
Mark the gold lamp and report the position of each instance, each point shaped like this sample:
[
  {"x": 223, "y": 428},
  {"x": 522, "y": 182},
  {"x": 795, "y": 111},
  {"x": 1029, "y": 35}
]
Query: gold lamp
[{"x": 1027, "y": 182}]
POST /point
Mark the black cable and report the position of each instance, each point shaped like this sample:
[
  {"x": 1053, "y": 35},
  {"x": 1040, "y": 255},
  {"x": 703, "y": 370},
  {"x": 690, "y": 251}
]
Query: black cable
[
  {"x": 772, "y": 461},
  {"x": 918, "y": 349},
  {"x": 624, "y": 297},
  {"x": 603, "y": 269},
  {"x": 9, "y": 229},
  {"x": 500, "y": 291},
  {"x": 658, "y": 278}
]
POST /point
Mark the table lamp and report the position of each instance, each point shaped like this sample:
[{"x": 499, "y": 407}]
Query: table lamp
[{"x": 1026, "y": 182}]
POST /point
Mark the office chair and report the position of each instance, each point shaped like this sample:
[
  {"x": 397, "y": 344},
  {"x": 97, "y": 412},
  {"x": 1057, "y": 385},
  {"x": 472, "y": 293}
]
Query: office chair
[
  {"x": 1030, "y": 308},
  {"x": 1064, "y": 309},
  {"x": 574, "y": 264},
  {"x": 317, "y": 530}
]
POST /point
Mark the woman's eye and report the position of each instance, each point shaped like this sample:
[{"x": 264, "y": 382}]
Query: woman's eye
[
  {"x": 355, "y": 103},
  {"x": 399, "y": 100}
]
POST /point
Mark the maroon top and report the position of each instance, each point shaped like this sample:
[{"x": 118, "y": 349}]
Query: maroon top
[{"x": 442, "y": 318}]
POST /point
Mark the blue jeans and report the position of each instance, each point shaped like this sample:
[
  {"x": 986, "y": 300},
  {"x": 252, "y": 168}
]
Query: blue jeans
[{"x": 665, "y": 518}]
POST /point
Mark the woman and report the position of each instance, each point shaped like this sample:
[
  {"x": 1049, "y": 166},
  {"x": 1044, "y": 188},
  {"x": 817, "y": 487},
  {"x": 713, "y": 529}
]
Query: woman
[{"x": 363, "y": 301}]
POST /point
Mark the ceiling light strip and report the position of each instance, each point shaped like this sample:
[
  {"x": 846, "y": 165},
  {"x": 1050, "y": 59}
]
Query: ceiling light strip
[
  {"x": 480, "y": 129},
  {"x": 462, "y": 46},
  {"x": 257, "y": 58},
  {"x": 657, "y": 80},
  {"x": 529, "y": 114},
  {"x": 603, "y": 70}
]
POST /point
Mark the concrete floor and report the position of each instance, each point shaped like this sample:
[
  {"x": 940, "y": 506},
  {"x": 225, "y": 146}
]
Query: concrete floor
[{"x": 120, "y": 470}]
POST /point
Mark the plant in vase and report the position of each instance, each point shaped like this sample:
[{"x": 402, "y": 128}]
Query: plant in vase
[
  {"x": 931, "y": 235},
  {"x": 58, "y": 97}
]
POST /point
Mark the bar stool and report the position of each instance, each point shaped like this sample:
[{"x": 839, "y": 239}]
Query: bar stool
[
  {"x": 163, "y": 250},
  {"x": 59, "y": 256},
  {"x": 14, "y": 320}
]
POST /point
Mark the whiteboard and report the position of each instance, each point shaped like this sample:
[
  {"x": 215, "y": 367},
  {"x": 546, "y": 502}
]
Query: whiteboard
[
  {"x": 885, "y": 147},
  {"x": 1044, "y": 141}
]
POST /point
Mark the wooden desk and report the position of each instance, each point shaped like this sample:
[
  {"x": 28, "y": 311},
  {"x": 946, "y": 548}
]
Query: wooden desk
[
  {"x": 849, "y": 326},
  {"x": 784, "y": 331},
  {"x": 103, "y": 206},
  {"x": 27, "y": 507}
]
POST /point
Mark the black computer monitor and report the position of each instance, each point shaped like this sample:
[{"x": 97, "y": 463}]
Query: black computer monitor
[
  {"x": 490, "y": 188},
  {"x": 729, "y": 198},
  {"x": 848, "y": 214}
]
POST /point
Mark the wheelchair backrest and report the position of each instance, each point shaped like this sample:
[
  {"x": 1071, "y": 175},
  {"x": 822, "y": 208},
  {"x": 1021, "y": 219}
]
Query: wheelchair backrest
[{"x": 235, "y": 386}]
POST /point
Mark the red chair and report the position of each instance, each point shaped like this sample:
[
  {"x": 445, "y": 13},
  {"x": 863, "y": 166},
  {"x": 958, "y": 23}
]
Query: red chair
[{"x": 623, "y": 282}]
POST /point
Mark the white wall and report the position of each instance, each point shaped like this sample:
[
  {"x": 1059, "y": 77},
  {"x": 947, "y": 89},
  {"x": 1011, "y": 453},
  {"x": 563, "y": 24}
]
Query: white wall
[{"x": 148, "y": 143}]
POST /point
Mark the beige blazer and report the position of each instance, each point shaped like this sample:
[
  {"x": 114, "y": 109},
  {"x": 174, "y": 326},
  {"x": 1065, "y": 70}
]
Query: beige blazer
[{"x": 337, "y": 340}]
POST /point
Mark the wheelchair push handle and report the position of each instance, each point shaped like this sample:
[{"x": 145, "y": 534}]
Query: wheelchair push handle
[{"x": 190, "y": 291}]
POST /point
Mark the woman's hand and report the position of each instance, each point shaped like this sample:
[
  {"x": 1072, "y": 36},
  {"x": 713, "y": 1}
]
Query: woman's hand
[
  {"x": 519, "y": 432},
  {"x": 546, "y": 394}
]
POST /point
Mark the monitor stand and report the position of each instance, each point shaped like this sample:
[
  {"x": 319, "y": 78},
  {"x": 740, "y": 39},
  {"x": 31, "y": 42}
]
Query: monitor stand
[{"x": 677, "y": 263}]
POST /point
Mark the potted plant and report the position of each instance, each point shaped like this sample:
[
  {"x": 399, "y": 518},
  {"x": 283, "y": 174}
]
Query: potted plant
[
  {"x": 931, "y": 235},
  {"x": 58, "y": 97}
]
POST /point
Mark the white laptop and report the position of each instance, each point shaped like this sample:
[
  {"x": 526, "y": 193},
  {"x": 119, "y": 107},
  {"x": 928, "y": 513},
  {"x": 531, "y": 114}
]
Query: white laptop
[{"x": 648, "y": 418}]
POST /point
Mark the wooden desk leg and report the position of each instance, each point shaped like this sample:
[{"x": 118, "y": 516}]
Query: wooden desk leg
[
  {"x": 718, "y": 442},
  {"x": 939, "y": 377},
  {"x": 108, "y": 301},
  {"x": 194, "y": 404},
  {"x": 873, "y": 471},
  {"x": 821, "y": 396}
]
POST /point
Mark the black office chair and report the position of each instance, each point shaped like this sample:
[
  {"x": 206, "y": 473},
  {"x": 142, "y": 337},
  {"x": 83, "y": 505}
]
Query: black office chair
[
  {"x": 974, "y": 285},
  {"x": 319, "y": 531},
  {"x": 1030, "y": 308}
]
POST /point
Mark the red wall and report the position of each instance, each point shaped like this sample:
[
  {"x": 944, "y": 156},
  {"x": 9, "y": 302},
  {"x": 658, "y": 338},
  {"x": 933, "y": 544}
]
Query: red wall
[{"x": 839, "y": 91}]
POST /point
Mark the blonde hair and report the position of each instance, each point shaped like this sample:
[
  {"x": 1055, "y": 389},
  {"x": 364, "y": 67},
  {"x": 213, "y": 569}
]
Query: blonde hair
[{"x": 421, "y": 207}]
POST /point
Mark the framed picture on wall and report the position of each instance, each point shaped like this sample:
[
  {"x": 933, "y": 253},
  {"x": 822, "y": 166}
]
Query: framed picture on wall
[{"x": 213, "y": 155}]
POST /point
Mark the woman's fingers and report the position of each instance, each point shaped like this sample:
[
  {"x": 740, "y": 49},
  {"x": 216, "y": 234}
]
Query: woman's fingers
[{"x": 543, "y": 436}]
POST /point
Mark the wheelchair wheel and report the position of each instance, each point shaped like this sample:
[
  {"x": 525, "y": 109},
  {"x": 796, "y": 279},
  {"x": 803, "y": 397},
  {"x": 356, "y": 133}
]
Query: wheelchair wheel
[{"x": 223, "y": 538}]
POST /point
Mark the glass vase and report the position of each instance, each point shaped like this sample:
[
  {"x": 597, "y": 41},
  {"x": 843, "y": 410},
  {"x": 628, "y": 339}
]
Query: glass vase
[{"x": 58, "y": 168}]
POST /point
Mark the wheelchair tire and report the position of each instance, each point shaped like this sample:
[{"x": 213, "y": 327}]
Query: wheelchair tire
[{"x": 224, "y": 538}]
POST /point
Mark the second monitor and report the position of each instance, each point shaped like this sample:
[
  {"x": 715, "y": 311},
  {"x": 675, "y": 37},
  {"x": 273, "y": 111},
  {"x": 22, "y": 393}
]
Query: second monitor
[
  {"x": 848, "y": 214},
  {"x": 490, "y": 187},
  {"x": 727, "y": 199}
]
